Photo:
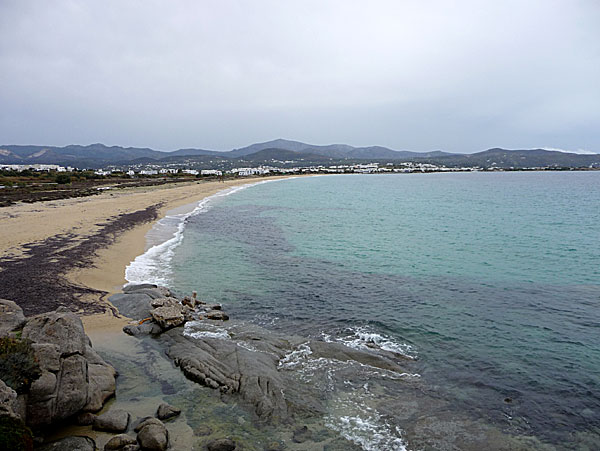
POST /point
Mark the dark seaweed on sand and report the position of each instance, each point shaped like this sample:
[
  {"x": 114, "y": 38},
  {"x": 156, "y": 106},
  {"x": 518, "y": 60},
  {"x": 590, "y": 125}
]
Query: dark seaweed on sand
[{"x": 37, "y": 281}]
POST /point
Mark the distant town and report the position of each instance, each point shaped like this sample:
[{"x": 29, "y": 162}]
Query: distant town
[{"x": 171, "y": 169}]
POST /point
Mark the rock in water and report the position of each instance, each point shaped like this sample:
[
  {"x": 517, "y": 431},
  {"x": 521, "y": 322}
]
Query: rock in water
[
  {"x": 301, "y": 435},
  {"x": 221, "y": 444},
  {"x": 70, "y": 444},
  {"x": 153, "y": 436},
  {"x": 168, "y": 316},
  {"x": 217, "y": 315},
  {"x": 12, "y": 317},
  {"x": 112, "y": 421},
  {"x": 165, "y": 411},
  {"x": 120, "y": 441}
]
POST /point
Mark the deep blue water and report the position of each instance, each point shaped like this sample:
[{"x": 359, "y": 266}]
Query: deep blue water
[{"x": 492, "y": 280}]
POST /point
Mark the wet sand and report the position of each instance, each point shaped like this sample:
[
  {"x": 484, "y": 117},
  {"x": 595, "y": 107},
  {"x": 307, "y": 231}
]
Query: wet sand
[{"x": 74, "y": 252}]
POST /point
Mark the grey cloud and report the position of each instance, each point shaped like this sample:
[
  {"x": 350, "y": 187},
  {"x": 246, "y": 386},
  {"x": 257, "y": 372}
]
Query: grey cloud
[{"x": 458, "y": 76}]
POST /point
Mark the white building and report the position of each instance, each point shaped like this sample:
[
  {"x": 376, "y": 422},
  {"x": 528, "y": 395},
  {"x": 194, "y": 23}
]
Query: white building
[{"x": 210, "y": 172}]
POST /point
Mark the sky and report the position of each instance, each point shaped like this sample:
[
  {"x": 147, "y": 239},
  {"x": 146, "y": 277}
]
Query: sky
[{"x": 459, "y": 76}]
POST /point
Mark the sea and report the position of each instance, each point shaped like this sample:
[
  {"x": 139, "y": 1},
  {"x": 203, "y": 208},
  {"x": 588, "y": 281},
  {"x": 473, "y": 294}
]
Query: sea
[{"x": 488, "y": 281}]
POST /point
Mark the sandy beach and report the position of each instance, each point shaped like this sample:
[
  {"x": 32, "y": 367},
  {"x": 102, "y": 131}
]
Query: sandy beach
[{"x": 104, "y": 232}]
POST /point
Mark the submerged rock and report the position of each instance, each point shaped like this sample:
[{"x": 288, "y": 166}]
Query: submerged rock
[
  {"x": 217, "y": 315},
  {"x": 339, "y": 351},
  {"x": 301, "y": 435},
  {"x": 221, "y": 444},
  {"x": 166, "y": 411}
]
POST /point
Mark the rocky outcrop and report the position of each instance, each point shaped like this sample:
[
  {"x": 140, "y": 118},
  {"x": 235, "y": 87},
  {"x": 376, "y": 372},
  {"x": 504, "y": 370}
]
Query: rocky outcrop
[
  {"x": 240, "y": 360},
  {"x": 12, "y": 317},
  {"x": 156, "y": 309},
  {"x": 74, "y": 378},
  {"x": 8, "y": 400}
]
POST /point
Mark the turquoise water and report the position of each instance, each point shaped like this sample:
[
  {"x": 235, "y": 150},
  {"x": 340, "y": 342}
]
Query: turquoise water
[{"x": 491, "y": 280}]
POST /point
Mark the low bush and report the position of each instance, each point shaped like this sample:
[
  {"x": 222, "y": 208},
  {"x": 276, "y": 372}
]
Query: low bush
[{"x": 18, "y": 365}]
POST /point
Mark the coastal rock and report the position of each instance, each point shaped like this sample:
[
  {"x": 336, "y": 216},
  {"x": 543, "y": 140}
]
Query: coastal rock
[
  {"x": 62, "y": 328},
  {"x": 147, "y": 328},
  {"x": 120, "y": 441},
  {"x": 215, "y": 306},
  {"x": 339, "y": 351},
  {"x": 143, "y": 422},
  {"x": 301, "y": 435},
  {"x": 43, "y": 388},
  {"x": 166, "y": 411},
  {"x": 70, "y": 444},
  {"x": 153, "y": 436},
  {"x": 8, "y": 400},
  {"x": 217, "y": 315},
  {"x": 142, "y": 286},
  {"x": 168, "y": 316},
  {"x": 232, "y": 369},
  {"x": 221, "y": 444},
  {"x": 135, "y": 305},
  {"x": 112, "y": 421},
  {"x": 47, "y": 355},
  {"x": 11, "y": 317},
  {"x": 74, "y": 378}
]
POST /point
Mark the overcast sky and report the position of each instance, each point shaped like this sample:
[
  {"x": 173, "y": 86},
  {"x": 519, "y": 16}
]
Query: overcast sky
[{"x": 420, "y": 75}]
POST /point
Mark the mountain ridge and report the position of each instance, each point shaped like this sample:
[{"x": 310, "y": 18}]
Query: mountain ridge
[{"x": 99, "y": 155}]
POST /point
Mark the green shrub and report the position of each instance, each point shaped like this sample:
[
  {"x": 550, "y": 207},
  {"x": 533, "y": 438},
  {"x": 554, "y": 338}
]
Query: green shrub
[
  {"x": 14, "y": 435},
  {"x": 63, "y": 179},
  {"x": 18, "y": 365}
]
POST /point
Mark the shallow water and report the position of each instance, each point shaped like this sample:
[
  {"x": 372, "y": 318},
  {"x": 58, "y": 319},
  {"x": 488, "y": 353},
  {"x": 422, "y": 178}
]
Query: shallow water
[{"x": 491, "y": 280}]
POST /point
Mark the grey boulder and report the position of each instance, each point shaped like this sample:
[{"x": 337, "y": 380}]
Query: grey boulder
[
  {"x": 120, "y": 441},
  {"x": 153, "y": 436},
  {"x": 112, "y": 421},
  {"x": 74, "y": 378},
  {"x": 11, "y": 317}
]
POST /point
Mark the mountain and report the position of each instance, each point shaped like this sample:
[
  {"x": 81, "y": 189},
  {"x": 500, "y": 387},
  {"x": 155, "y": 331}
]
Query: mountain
[
  {"x": 194, "y": 152},
  {"x": 99, "y": 155},
  {"x": 525, "y": 158},
  {"x": 267, "y": 155}
]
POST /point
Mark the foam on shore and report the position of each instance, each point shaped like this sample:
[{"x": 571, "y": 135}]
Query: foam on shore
[{"x": 153, "y": 266}]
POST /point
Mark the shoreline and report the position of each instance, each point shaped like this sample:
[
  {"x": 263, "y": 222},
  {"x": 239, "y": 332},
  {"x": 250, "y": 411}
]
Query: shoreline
[{"x": 107, "y": 232}]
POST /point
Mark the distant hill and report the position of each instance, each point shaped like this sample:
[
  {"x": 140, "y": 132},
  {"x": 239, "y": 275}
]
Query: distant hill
[
  {"x": 525, "y": 158},
  {"x": 99, "y": 155},
  {"x": 267, "y": 155}
]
